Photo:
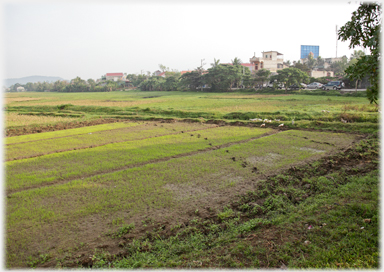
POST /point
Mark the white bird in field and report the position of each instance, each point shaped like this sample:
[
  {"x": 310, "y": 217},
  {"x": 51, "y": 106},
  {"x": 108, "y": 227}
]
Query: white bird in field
[
  {"x": 277, "y": 120},
  {"x": 281, "y": 125},
  {"x": 344, "y": 121},
  {"x": 262, "y": 125},
  {"x": 293, "y": 121},
  {"x": 252, "y": 119}
]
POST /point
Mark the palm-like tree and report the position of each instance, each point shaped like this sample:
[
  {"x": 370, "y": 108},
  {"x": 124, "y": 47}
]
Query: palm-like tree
[
  {"x": 236, "y": 61},
  {"x": 215, "y": 63}
]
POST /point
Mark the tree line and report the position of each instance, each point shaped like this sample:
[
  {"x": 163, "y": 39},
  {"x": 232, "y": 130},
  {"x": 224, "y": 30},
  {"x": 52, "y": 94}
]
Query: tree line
[
  {"x": 75, "y": 85},
  {"x": 224, "y": 77}
]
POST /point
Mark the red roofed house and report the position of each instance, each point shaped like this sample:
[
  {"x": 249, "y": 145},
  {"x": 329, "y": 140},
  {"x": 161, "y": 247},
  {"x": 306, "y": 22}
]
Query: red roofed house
[{"x": 114, "y": 76}]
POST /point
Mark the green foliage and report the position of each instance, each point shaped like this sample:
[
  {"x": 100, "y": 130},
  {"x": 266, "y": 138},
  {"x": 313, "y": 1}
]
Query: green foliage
[
  {"x": 224, "y": 76},
  {"x": 261, "y": 76},
  {"x": 191, "y": 80},
  {"x": 123, "y": 230},
  {"x": 227, "y": 213},
  {"x": 289, "y": 76},
  {"x": 364, "y": 30}
]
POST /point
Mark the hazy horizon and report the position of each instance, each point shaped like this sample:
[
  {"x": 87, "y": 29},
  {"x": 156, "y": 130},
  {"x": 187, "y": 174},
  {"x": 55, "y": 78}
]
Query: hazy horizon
[{"x": 90, "y": 39}]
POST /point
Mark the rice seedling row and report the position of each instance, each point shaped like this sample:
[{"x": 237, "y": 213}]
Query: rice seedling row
[
  {"x": 67, "y": 132},
  {"x": 85, "y": 139},
  {"x": 111, "y": 157},
  {"x": 62, "y": 210}
]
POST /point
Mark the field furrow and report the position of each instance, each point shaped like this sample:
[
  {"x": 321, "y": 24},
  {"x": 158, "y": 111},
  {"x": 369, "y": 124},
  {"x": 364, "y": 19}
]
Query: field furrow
[
  {"x": 97, "y": 138},
  {"x": 68, "y": 165},
  {"x": 191, "y": 181}
]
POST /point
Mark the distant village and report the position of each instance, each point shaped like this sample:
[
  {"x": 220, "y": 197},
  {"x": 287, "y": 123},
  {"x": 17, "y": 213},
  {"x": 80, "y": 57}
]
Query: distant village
[{"x": 310, "y": 62}]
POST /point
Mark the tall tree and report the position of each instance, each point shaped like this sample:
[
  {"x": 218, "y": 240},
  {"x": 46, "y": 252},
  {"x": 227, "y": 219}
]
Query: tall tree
[
  {"x": 320, "y": 61},
  {"x": 289, "y": 76},
  {"x": 364, "y": 30},
  {"x": 236, "y": 61},
  {"x": 215, "y": 62},
  {"x": 262, "y": 76},
  {"x": 311, "y": 61},
  {"x": 339, "y": 67},
  {"x": 163, "y": 68}
]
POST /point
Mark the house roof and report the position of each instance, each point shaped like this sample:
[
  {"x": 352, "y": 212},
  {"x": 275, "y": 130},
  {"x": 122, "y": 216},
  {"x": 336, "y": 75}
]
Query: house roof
[
  {"x": 279, "y": 54},
  {"x": 162, "y": 74},
  {"x": 242, "y": 64},
  {"x": 114, "y": 74},
  {"x": 183, "y": 72}
]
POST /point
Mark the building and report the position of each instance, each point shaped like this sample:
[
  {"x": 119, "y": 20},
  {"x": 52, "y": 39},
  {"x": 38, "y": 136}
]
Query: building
[
  {"x": 307, "y": 49},
  {"x": 157, "y": 73},
  {"x": 317, "y": 74},
  {"x": 20, "y": 89},
  {"x": 270, "y": 60},
  {"x": 114, "y": 76}
]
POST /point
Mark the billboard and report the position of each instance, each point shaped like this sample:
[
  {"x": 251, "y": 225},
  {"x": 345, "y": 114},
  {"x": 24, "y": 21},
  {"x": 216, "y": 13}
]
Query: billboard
[{"x": 306, "y": 49}]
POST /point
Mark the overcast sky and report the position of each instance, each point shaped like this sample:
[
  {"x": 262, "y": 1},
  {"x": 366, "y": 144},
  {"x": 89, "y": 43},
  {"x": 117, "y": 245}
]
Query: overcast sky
[{"x": 88, "y": 39}]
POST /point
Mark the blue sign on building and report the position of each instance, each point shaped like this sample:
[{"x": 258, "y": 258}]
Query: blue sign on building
[{"x": 306, "y": 49}]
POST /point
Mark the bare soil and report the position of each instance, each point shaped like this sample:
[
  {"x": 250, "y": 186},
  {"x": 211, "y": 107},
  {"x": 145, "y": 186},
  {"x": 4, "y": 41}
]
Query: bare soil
[{"x": 91, "y": 233}]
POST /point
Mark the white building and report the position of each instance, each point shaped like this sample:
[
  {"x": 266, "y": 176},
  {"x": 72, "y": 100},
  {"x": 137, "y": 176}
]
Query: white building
[{"x": 270, "y": 60}]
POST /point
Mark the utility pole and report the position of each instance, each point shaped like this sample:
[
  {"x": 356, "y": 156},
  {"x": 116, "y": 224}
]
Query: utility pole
[
  {"x": 336, "y": 41},
  {"x": 201, "y": 67}
]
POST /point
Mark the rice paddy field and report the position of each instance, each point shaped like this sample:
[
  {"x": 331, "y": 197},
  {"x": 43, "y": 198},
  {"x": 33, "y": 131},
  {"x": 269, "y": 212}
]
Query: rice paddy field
[{"x": 185, "y": 180}]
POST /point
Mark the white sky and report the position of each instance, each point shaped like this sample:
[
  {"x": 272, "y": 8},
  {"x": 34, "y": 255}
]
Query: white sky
[{"x": 89, "y": 39}]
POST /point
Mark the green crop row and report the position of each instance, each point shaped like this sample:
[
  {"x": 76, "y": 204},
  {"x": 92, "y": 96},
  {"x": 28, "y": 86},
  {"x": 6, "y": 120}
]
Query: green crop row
[
  {"x": 85, "y": 139},
  {"x": 74, "y": 164},
  {"x": 168, "y": 184},
  {"x": 68, "y": 132}
]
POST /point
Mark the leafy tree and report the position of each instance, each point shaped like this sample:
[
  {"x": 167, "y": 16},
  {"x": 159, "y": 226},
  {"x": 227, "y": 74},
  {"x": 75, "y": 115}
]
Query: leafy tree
[
  {"x": 191, "y": 80},
  {"x": 338, "y": 67},
  {"x": 364, "y": 30},
  {"x": 300, "y": 66},
  {"x": 59, "y": 86},
  {"x": 220, "y": 77},
  {"x": 30, "y": 87},
  {"x": 163, "y": 68},
  {"x": 311, "y": 61},
  {"x": 290, "y": 76},
  {"x": 357, "y": 54},
  {"x": 171, "y": 83},
  {"x": 91, "y": 82},
  {"x": 262, "y": 76},
  {"x": 320, "y": 61}
]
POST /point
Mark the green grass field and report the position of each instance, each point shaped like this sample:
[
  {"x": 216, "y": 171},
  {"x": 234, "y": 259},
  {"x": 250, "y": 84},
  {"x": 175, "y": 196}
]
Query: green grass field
[{"x": 199, "y": 186}]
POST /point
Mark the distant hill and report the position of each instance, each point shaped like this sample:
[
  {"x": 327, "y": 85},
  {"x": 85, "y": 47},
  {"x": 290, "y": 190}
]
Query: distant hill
[{"x": 23, "y": 80}]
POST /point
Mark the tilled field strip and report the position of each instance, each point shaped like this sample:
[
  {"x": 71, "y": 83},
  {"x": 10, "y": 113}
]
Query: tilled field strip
[
  {"x": 77, "y": 163},
  {"x": 94, "y": 139},
  {"x": 55, "y": 217},
  {"x": 67, "y": 132},
  {"x": 97, "y": 173}
]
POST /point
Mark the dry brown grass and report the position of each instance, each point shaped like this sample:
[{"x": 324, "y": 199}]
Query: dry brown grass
[
  {"x": 14, "y": 119},
  {"x": 19, "y": 99},
  {"x": 90, "y": 103}
]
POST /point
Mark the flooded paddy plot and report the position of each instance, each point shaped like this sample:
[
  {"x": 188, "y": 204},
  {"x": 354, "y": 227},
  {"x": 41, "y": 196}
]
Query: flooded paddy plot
[{"x": 52, "y": 218}]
